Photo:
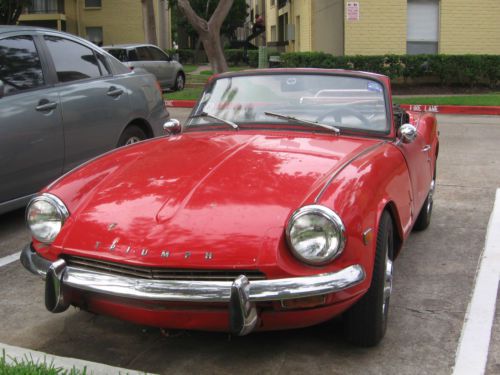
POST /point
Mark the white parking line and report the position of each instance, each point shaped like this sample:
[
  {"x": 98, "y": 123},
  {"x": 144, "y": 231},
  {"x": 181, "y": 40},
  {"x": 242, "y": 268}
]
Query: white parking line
[
  {"x": 472, "y": 352},
  {"x": 9, "y": 259}
]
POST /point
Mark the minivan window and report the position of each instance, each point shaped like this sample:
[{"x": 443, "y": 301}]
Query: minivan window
[
  {"x": 20, "y": 67},
  {"x": 157, "y": 54},
  {"x": 72, "y": 61},
  {"x": 143, "y": 54}
]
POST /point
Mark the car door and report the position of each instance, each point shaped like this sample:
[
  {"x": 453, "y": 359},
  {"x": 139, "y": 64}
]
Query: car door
[
  {"x": 166, "y": 70},
  {"x": 145, "y": 60},
  {"x": 417, "y": 158},
  {"x": 31, "y": 132},
  {"x": 94, "y": 103}
]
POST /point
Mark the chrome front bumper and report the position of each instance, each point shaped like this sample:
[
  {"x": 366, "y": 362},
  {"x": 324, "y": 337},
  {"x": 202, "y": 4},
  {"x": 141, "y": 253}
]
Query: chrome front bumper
[{"x": 241, "y": 294}]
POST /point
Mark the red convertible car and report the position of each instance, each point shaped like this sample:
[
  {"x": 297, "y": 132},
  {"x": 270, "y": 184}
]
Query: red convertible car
[{"x": 281, "y": 203}]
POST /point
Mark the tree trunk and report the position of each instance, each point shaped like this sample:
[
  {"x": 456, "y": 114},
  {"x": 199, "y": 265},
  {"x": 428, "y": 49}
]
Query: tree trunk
[
  {"x": 148, "y": 16},
  {"x": 209, "y": 31}
]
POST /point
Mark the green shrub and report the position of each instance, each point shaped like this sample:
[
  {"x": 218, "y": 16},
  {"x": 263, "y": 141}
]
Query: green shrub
[
  {"x": 253, "y": 58},
  {"x": 447, "y": 69}
]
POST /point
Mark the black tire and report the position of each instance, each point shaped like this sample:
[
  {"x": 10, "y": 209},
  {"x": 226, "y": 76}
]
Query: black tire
[
  {"x": 365, "y": 323},
  {"x": 180, "y": 82},
  {"x": 132, "y": 134},
  {"x": 424, "y": 216}
]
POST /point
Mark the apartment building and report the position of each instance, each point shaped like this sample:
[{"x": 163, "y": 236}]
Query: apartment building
[
  {"x": 100, "y": 21},
  {"x": 372, "y": 27}
]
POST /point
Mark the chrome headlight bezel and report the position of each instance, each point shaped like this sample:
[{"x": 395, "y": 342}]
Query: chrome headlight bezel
[
  {"x": 61, "y": 215},
  {"x": 329, "y": 215}
]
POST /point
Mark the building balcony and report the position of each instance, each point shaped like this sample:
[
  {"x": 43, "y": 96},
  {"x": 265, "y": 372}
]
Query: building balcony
[{"x": 45, "y": 7}]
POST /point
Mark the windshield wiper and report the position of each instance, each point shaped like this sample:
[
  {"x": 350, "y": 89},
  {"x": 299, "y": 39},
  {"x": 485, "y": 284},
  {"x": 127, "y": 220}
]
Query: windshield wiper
[
  {"x": 285, "y": 117},
  {"x": 204, "y": 114}
]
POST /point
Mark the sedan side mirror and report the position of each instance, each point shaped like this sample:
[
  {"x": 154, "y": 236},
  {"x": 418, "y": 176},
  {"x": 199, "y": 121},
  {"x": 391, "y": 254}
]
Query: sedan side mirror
[
  {"x": 172, "y": 126},
  {"x": 407, "y": 133}
]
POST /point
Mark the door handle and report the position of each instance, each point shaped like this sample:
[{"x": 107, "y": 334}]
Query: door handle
[
  {"x": 44, "y": 105},
  {"x": 426, "y": 148},
  {"x": 114, "y": 92}
]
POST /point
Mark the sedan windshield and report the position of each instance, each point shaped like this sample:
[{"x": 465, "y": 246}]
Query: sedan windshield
[{"x": 339, "y": 102}]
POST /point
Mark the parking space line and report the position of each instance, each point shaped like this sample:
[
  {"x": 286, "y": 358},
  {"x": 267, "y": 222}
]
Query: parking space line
[
  {"x": 472, "y": 352},
  {"x": 9, "y": 259}
]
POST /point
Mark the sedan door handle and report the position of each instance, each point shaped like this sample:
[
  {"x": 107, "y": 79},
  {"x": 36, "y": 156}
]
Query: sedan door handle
[
  {"x": 426, "y": 148},
  {"x": 114, "y": 92},
  {"x": 44, "y": 105}
]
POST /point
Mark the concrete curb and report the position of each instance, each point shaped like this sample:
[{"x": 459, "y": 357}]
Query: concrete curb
[
  {"x": 14, "y": 353},
  {"x": 442, "y": 109}
]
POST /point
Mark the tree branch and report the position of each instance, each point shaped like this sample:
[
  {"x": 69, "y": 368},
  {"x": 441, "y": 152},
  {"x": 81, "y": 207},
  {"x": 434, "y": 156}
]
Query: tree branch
[
  {"x": 220, "y": 14},
  {"x": 198, "y": 23}
]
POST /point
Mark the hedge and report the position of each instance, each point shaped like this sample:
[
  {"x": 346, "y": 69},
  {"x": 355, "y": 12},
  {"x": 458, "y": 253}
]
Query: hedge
[{"x": 447, "y": 69}]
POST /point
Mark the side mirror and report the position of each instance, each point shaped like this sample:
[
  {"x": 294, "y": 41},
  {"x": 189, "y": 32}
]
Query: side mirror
[
  {"x": 407, "y": 133},
  {"x": 172, "y": 126},
  {"x": 2, "y": 89}
]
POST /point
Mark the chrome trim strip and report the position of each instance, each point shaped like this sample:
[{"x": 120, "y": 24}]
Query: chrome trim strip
[
  {"x": 343, "y": 166},
  {"x": 198, "y": 291}
]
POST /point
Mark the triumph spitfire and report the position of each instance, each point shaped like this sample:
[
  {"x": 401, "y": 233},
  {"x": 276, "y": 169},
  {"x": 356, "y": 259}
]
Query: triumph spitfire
[{"x": 281, "y": 203}]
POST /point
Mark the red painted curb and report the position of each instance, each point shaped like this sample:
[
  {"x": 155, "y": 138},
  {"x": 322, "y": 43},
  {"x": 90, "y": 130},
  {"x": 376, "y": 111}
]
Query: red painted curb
[
  {"x": 180, "y": 103},
  {"x": 443, "y": 109},
  {"x": 454, "y": 109}
]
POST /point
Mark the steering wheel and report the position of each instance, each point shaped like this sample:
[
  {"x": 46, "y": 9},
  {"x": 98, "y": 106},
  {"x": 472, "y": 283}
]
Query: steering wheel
[{"x": 338, "y": 113}]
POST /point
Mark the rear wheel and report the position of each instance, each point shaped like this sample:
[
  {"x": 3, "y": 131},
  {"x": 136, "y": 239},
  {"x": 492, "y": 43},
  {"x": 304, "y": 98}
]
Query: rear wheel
[
  {"x": 365, "y": 323},
  {"x": 179, "y": 82},
  {"x": 424, "y": 217},
  {"x": 132, "y": 134}
]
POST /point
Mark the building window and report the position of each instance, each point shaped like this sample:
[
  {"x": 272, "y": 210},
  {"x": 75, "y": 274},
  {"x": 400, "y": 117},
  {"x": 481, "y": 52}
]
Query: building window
[
  {"x": 273, "y": 33},
  {"x": 423, "y": 27},
  {"x": 94, "y": 34},
  {"x": 273, "y": 3},
  {"x": 92, "y": 3}
]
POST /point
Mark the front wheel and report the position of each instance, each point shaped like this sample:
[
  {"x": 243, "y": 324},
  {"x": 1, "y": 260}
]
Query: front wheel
[
  {"x": 365, "y": 323},
  {"x": 132, "y": 134}
]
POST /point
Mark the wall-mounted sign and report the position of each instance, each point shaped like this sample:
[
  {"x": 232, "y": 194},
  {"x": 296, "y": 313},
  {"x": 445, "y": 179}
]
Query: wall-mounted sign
[{"x": 352, "y": 11}]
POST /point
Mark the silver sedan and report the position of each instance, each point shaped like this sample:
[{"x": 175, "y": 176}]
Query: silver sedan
[{"x": 64, "y": 101}]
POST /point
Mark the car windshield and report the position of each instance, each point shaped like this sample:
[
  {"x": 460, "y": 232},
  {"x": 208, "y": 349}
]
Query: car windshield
[{"x": 337, "y": 101}]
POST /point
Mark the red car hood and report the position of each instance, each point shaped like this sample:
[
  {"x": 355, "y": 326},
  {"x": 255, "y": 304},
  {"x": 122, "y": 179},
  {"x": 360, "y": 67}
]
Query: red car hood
[{"x": 202, "y": 199}]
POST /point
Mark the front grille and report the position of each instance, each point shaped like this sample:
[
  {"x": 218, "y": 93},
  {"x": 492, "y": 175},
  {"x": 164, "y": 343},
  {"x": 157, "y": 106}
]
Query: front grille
[{"x": 160, "y": 273}]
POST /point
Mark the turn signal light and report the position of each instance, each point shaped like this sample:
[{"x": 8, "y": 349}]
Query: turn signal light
[{"x": 300, "y": 303}]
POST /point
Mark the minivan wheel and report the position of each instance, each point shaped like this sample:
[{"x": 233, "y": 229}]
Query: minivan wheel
[{"x": 179, "y": 82}]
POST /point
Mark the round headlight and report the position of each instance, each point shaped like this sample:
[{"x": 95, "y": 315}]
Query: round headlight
[
  {"x": 45, "y": 216},
  {"x": 315, "y": 234}
]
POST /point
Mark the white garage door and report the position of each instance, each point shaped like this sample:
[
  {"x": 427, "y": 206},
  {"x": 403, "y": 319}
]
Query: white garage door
[{"x": 423, "y": 26}]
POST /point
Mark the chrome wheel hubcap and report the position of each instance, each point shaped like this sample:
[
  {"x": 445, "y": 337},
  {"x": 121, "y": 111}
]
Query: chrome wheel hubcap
[
  {"x": 180, "y": 82},
  {"x": 387, "y": 282},
  {"x": 431, "y": 193},
  {"x": 132, "y": 140}
]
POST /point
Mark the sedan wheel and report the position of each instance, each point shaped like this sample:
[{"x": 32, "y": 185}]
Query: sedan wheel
[
  {"x": 132, "y": 134},
  {"x": 365, "y": 323}
]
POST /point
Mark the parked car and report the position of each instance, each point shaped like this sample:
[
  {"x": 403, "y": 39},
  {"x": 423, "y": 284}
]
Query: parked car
[
  {"x": 169, "y": 72},
  {"x": 62, "y": 102},
  {"x": 282, "y": 203}
]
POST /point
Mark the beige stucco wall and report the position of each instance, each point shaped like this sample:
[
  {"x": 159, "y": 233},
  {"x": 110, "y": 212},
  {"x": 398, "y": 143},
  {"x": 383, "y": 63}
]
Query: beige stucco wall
[
  {"x": 303, "y": 30},
  {"x": 328, "y": 26},
  {"x": 470, "y": 27},
  {"x": 381, "y": 28}
]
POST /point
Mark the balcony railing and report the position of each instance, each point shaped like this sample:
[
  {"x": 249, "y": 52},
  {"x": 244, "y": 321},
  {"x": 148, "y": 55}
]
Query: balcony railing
[{"x": 45, "y": 7}]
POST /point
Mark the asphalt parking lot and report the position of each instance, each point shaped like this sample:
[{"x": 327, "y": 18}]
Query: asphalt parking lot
[{"x": 432, "y": 287}]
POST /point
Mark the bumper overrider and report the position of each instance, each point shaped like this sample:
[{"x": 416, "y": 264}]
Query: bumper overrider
[{"x": 240, "y": 294}]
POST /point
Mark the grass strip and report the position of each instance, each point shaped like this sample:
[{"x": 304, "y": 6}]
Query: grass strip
[
  {"x": 29, "y": 367},
  {"x": 466, "y": 100}
]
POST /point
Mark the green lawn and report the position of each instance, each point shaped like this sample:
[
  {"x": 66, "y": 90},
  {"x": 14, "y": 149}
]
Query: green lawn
[
  {"x": 492, "y": 99},
  {"x": 189, "y": 68},
  {"x": 189, "y": 93}
]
